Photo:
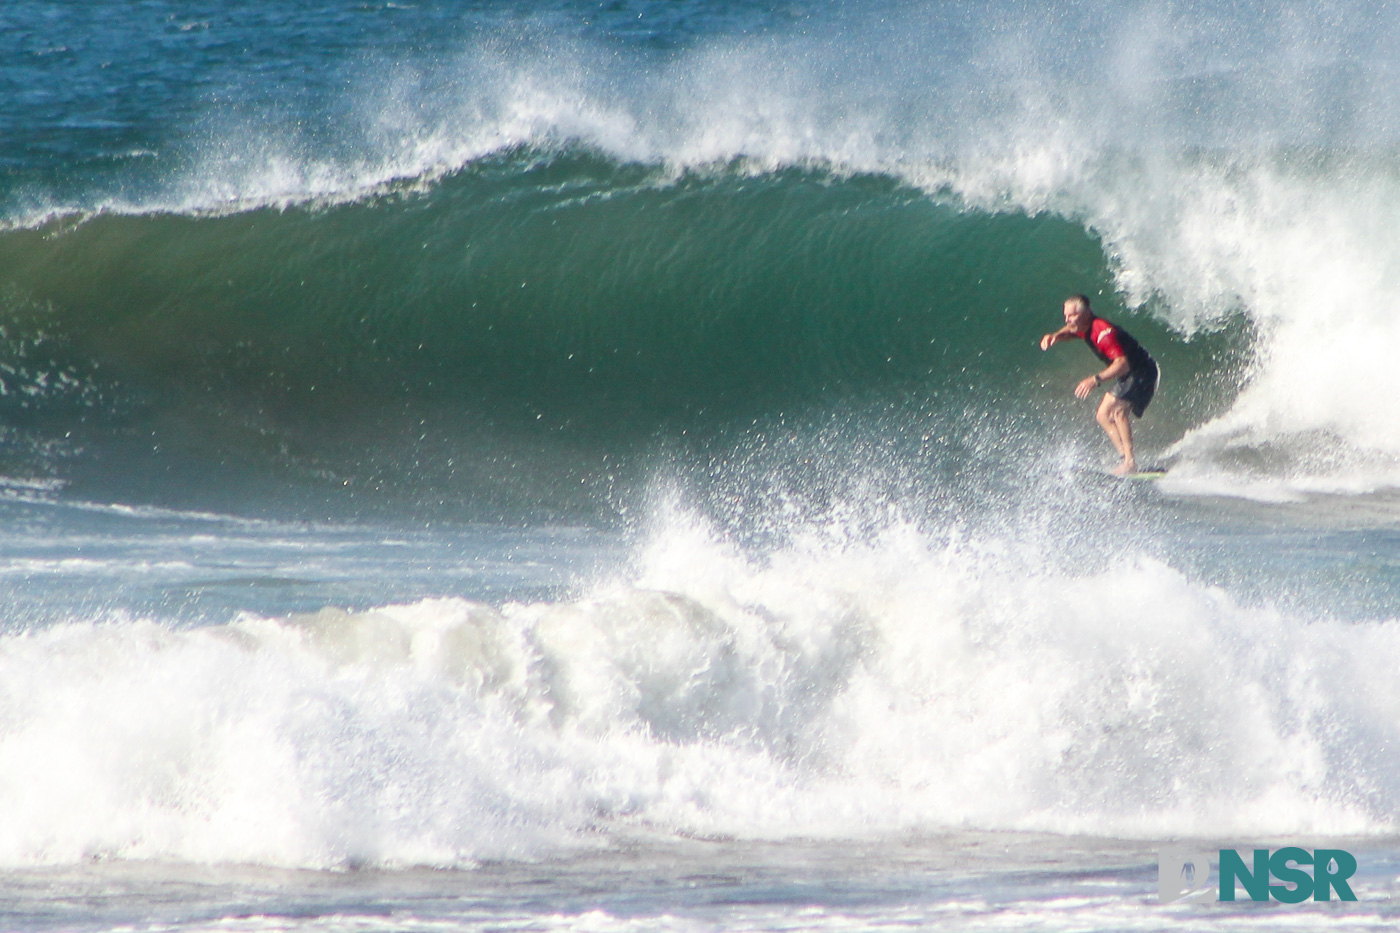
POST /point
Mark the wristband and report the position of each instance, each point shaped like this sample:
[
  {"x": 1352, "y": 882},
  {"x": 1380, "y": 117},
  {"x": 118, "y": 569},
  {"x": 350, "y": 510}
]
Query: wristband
[{"x": 1097, "y": 380}]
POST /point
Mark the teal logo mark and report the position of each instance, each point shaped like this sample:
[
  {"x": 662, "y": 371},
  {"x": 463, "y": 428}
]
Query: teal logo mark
[
  {"x": 1280, "y": 875},
  {"x": 1331, "y": 869}
]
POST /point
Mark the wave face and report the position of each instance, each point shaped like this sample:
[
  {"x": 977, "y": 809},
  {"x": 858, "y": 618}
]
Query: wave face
[
  {"x": 559, "y": 278},
  {"x": 725, "y": 226},
  {"x": 566, "y": 315}
]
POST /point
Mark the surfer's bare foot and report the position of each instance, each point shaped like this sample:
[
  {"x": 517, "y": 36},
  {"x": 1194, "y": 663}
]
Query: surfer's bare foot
[{"x": 1124, "y": 468}]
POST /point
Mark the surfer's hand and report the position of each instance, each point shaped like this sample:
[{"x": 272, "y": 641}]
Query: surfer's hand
[
  {"x": 1047, "y": 341},
  {"x": 1086, "y": 385}
]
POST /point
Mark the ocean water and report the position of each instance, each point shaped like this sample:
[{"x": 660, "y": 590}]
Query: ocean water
[{"x": 554, "y": 465}]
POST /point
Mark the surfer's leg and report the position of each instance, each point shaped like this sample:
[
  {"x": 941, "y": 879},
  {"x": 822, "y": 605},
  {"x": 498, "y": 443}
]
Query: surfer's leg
[{"x": 1113, "y": 418}]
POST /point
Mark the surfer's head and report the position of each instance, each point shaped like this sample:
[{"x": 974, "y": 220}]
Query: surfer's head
[{"x": 1077, "y": 313}]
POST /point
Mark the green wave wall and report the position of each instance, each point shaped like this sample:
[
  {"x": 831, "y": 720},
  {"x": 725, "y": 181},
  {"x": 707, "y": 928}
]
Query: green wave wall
[{"x": 551, "y": 302}]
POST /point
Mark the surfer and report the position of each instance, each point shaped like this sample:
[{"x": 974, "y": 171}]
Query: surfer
[{"x": 1126, "y": 361}]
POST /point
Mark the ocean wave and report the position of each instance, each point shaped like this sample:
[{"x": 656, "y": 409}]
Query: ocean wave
[
  {"x": 548, "y": 299},
  {"x": 752, "y": 225}
]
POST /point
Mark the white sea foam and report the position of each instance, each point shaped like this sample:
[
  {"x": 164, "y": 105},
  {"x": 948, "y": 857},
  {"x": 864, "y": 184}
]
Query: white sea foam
[{"x": 833, "y": 690}]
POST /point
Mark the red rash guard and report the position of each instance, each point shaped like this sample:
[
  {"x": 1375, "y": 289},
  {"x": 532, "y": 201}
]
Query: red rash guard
[{"x": 1110, "y": 342}]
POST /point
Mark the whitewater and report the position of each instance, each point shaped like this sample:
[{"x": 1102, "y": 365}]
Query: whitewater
[{"x": 563, "y": 465}]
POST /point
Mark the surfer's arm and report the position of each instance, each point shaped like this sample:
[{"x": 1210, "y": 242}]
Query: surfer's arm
[
  {"x": 1064, "y": 333},
  {"x": 1115, "y": 369}
]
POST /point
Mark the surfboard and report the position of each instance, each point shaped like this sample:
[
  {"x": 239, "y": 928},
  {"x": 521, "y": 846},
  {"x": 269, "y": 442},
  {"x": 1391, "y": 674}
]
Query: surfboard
[{"x": 1152, "y": 473}]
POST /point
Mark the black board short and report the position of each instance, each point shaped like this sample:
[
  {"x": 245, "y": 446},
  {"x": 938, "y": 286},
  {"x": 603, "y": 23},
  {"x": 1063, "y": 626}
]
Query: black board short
[{"x": 1138, "y": 387}]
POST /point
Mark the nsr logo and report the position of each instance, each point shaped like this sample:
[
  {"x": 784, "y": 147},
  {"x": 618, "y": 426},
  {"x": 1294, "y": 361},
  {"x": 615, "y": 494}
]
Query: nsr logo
[{"x": 1185, "y": 876}]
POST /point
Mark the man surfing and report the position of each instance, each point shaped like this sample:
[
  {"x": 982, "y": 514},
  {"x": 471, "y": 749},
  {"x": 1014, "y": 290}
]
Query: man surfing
[{"x": 1125, "y": 361}]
